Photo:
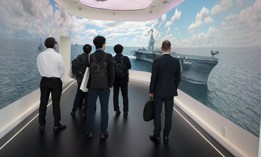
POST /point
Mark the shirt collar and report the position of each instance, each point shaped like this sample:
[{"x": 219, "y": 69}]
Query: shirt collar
[
  {"x": 50, "y": 49},
  {"x": 165, "y": 53},
  {"x": 99, "y": 50}
]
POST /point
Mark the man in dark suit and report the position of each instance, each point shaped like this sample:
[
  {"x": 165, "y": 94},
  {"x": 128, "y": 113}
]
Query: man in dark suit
[
  {"x": 100, "y": 81},
  {"x": 164, "y": 82}
]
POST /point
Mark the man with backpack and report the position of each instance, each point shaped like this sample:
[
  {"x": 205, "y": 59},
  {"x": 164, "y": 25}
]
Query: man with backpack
[
  {"x": 122, "y": 65},
  {"x": 79, "y": 65},
  {"x": 100, "y": 81}
]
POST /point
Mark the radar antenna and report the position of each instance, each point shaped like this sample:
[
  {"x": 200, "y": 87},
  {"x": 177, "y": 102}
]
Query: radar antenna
[
  {"x": 151, "y": 42},
  {"x": 213, "y": 53}
]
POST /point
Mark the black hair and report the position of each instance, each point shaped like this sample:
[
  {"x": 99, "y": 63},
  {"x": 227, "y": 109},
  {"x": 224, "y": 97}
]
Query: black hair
[
  {"x": 50, "y": 42},
  {"x": 87, "y": 48},
  {"x": 98, "y": 41},
  {"x": 118, "y": 48}
]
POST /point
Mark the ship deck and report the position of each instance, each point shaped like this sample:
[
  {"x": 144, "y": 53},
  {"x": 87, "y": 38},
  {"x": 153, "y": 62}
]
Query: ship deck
[{"x": 127, "y": 137}]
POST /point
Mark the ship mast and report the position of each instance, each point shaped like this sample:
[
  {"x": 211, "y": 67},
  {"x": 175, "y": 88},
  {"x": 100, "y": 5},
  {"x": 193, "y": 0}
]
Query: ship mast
[{"x": 151, "y": 43}]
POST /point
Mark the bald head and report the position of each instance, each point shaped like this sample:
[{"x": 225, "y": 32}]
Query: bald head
[{"x": 166, "y": 46}]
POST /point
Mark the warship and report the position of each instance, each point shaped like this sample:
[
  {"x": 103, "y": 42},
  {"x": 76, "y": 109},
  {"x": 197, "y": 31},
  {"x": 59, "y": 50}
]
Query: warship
[
  {"x": 40, "y": 47},
  {"x": 194, "y": 69}
]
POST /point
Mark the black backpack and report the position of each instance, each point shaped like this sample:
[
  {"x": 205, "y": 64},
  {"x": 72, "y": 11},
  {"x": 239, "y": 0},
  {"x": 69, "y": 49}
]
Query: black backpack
[
  {"x": 99, "y": 74},
  {"x": 76, "y": 64},
  {"x": 120, "y": 70}
]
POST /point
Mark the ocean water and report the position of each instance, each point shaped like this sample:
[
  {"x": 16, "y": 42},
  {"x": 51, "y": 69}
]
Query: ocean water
[
  {"x": 18, "y": 71},
  {"x": 233, "y": 89}
]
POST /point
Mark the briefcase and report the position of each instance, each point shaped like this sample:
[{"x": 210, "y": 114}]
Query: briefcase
[{"x": 148, "y": 111}]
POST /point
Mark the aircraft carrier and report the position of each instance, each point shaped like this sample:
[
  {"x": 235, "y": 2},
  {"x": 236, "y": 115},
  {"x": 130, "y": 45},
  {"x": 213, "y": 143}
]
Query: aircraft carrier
[{"x": 194, "y": 69}]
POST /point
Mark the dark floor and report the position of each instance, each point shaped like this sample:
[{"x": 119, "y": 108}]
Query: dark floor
[{"x": 127, "y": 137}]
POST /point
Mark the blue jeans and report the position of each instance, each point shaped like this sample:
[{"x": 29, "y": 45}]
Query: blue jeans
[{"x": 104, "y": 95}]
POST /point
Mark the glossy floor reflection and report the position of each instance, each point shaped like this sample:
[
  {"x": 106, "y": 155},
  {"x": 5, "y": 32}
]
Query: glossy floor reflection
[{"x": 127, "y": 137}]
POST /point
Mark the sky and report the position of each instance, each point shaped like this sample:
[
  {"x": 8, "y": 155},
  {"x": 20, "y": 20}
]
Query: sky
[{"x": 215, "y": 23}]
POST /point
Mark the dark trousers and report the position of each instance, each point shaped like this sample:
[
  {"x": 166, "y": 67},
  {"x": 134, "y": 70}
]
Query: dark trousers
[
  {"x": 158, "y": 101},
  {"x": 53, "y": 86},
  {"x": 79, "y": 97},
  {"x": 123, "y": 85},
  {"x": 103, "y": 95}
]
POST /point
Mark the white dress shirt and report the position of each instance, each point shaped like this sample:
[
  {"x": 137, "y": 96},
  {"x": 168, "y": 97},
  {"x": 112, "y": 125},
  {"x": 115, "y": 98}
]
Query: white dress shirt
[{"x": 50, "y": 63}]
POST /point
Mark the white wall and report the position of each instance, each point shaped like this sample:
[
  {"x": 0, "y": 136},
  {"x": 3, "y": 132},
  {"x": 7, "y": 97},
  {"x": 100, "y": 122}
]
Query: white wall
[
  {"x": 259, "y": 150},
  {"x": 65, "y": 51},
  {"x": 16, "y": 112}
]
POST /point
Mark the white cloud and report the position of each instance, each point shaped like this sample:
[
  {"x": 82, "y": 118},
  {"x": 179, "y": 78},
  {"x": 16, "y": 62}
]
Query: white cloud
[
  {"x": 194, "y": 25},
  {"x": 174, "y": 41},
  {"x": 201, "y": 17},
  {"x": 168, "y": 24},
  {"x": 162, "y": 20},
  {"x": 202, "y": 39},
  {"x": 208, "y": 20},
  {"x": 176, "y": 16},
  {"x": 33, "y": 19},
  {"x": 221, "y": 7},
  {"x": 90, "y": 32},
  {"x": 240, "y": 2},
  {"x": 79, "y": 25},
  {"x": 113, "y": 31},
  {"x": 241, "y": 29},
  {"x": 163, "y": 17}
]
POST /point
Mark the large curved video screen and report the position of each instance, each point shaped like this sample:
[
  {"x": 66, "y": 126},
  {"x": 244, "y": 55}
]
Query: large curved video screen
[{"x": 217, "y": 43}]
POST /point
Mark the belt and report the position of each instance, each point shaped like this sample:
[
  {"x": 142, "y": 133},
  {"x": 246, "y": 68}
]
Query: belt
[{"x": 50, "y": 77}]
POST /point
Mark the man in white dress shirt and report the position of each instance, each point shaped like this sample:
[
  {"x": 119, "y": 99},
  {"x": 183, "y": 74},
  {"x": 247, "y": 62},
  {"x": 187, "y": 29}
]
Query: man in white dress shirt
[{"x": 51, "y": 68}]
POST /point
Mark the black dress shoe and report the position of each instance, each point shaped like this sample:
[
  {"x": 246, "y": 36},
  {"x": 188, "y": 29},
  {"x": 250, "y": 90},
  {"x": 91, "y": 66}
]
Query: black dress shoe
[
  {"x": 118, "y": 113},
  {"x": 125, "y": 114},
  {"x": 41, "y": 128},
  {"x": 59, "y": 128},
  {"x": 89, "y": 135},
  {"x": 155, "y": 139},
  {"x": 103, "y": 136},
  {"x": 166, "y": 139},
  {"x": 84, "y": 116}
]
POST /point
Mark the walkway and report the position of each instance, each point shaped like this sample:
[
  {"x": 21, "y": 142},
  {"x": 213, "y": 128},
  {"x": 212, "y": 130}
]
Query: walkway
[{"x": 127, "y": 137}]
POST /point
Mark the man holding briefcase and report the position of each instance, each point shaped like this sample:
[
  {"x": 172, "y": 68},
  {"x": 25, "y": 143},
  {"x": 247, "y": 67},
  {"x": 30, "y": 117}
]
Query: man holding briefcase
[{"x": 165, "y": 78}]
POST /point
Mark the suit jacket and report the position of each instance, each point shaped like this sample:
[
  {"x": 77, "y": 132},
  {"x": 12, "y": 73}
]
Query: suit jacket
[
  {"x": 84, "y": 63},
  {"x": 165, "y": 76}
]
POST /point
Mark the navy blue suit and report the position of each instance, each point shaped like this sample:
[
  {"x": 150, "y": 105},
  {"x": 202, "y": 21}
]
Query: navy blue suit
[{"x": 164, "y": 83}]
